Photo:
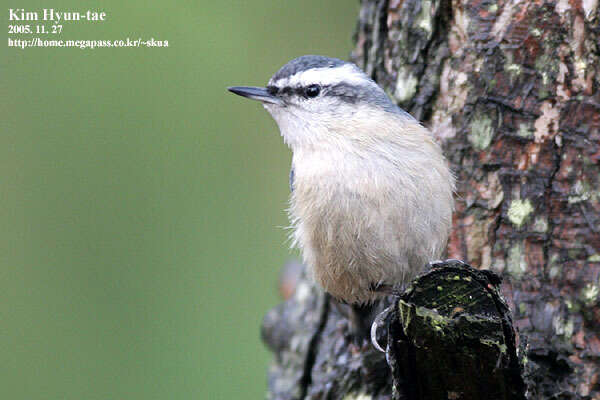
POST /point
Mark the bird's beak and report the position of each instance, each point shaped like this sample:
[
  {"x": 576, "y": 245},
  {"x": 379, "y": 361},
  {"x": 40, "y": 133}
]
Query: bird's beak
[{"x": 255, "y": 93}]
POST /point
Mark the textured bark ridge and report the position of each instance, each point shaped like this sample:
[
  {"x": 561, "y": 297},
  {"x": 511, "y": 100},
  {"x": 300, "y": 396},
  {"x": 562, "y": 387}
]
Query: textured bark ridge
[{"x": 511, "y": 89}]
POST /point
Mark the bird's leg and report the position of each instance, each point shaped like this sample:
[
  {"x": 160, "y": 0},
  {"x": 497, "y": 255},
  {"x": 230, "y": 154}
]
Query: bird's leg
[
  {"x": 357, "y": 328},
  {"x": 360, "y": 318}
]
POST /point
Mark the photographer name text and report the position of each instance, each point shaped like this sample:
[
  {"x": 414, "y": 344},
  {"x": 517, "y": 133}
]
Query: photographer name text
[{"x": 51, "y": 14}]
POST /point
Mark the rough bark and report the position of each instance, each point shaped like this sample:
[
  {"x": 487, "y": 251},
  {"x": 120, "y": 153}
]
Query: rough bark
[{"x": 512, "y": 91}]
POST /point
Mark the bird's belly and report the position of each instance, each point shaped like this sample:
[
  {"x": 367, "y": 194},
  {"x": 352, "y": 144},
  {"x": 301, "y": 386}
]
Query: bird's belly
[
  {"x": 361, "y": 221},
  {"x": 353, "y": 240}
]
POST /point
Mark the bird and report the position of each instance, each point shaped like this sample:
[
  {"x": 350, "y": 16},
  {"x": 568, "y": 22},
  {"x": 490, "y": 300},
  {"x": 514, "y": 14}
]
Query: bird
[{"x": 371, "y": 192}]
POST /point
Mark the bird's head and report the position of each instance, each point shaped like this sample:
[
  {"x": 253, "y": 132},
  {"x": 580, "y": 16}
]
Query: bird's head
[{"x": 318, "y": 100}]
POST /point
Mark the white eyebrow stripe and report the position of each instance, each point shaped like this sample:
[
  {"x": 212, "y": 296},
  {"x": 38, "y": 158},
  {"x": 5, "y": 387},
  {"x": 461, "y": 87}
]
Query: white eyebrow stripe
[{"x": 346, "y": 73}]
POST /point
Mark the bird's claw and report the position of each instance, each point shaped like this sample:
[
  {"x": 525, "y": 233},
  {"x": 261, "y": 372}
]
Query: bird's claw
[{"x": 379, "y": 321}]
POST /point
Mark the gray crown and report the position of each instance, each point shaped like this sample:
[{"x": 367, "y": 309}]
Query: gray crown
[{"x": 305, "y": 63}]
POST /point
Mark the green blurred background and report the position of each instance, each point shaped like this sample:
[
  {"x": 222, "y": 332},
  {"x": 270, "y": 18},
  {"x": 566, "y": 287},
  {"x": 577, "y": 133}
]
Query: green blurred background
[{"x": 142, "y": 205}]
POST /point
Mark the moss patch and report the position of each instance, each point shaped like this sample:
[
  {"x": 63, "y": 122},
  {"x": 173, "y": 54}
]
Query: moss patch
[
  {"x": 516, "y": 261},
  {"x": 519, "y": 211},
  {"x": 406, "y": 85},
  {"x": 525, "y": 131},
  {"x": 481, "y": 132}
]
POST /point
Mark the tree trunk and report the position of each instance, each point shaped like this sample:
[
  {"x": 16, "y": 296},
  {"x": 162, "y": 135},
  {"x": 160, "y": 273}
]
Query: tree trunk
[{"x": 511, "y": 89}]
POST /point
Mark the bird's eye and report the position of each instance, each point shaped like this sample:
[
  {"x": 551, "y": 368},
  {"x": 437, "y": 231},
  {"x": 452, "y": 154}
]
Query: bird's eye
[{"x": 312, "y": 90}]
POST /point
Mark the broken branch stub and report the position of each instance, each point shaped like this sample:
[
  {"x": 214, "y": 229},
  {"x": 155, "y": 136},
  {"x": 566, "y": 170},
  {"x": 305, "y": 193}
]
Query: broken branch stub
[{"x": 450, "y": 336}]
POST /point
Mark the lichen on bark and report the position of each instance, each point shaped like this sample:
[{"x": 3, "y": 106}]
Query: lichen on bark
[{"x": 515, "y": 102}]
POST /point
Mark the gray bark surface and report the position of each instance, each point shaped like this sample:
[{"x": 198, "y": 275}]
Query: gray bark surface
[{"x": 511, "y": 89}]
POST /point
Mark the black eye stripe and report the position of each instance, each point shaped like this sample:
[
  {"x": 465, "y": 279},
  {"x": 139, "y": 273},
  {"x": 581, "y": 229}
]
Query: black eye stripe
[
  {"x": 272, "y": 90},
  {"x": 302, "y": 91},
  {"x": 355, "y": 93}
]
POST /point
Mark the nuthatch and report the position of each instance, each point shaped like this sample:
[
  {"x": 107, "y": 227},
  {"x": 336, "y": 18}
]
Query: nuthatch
[{"x": 371, "y": 200}]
